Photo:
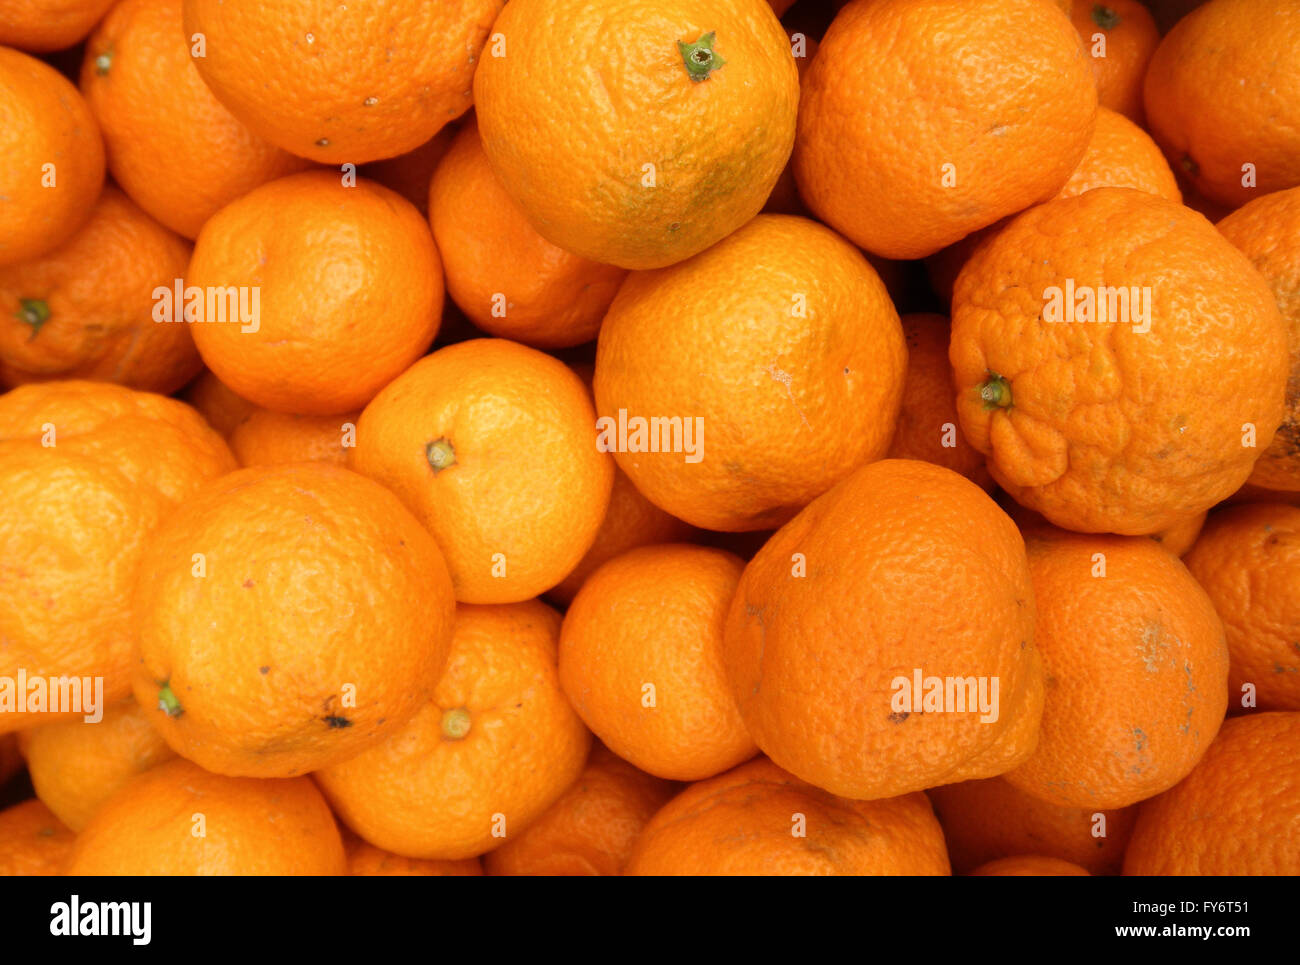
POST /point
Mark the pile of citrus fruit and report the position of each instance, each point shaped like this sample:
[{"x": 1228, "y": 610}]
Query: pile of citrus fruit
[{"x": 682, "y": 437}]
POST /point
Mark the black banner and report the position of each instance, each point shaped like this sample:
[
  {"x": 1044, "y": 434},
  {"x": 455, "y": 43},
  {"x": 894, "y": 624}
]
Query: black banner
[{"x": 923, "y": 915}]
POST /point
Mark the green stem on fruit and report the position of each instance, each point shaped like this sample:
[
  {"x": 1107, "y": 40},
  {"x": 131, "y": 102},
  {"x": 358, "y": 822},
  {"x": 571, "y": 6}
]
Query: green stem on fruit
[
  {"x": 700, "y": 58},
  {"x": 34, "y": 312},
  {"x": 167, "y": 701},
  {"x": 441, "y": 454},
  {"x": 1105, "y": 17},
  {"x": 996, "y": 392}
]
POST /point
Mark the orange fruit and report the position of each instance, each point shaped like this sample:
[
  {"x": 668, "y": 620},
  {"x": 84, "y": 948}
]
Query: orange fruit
[
  {"x": 54, "y": 158},
  {"x": 788, "y": 376},
  {"x": 409, "y": 174},
  {"x": 267, "y": 438},
  {"x": 641, "y": 660},
  {"x": 927, "y": 421},
  {"x": 1120, "y": 155},
  {"x": 367, "y": 860},
  {"x": 1000, "y": 103},
  {"x": 989, "y": 819},
  {"x": 343, "y": 84},
  {"x": 178, "y": 819},
  {"x": 668, "y": 123},
  {"x": 85, "y": 310},
  {"x": 1235, "y": 814},
  {"x": 214, "y": 400},
  {"x": 77, "y": 518},
  {"x": 1031, "y": 865},
  {"x": 271, "y": 654},
  {"x": 631, "y": 521},
  {"x": 1128, "y": 425},
  {"x": 491, "y": 444},
  {"x": 32, "y": 841},
  {"x": 171, "y": 145},
  {"x": 43, "y": 25},
  {"x": 903, "y": 570},
  {"x": 494, "y": 748},
  {"x": 506, "y": 277},
  {"x": 1136, "y": 669},
  {"x": 759, "y": 820},
  {"x": 1268, "y": 231},
  {"x": 1181, "y": 536},
  {"x": 1120, "y": 37},
  {"x": 333, "y": 324},
  {"x": 590, "y": 830},
  {"x": 77, "y": 765},
  {"x": 1222, "y": 92},
  {"x": 1176, "y": 539},
  {"x": 1248, "y": 561}
]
